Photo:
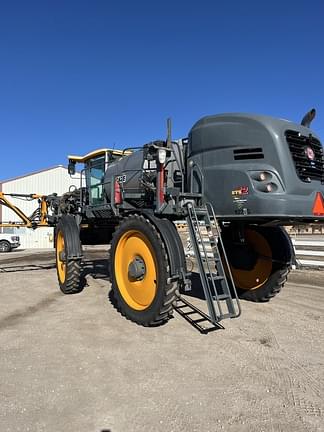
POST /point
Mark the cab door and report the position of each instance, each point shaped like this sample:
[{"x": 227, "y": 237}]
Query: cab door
[{"x": 95, "y": 172}]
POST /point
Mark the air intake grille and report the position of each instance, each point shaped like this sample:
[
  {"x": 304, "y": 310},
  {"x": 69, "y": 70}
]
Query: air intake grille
[
  {"x": 248, "y": 153},
  {"x": 307, "y": 154}
]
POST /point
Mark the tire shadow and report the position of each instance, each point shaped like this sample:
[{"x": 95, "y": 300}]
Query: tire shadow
[{"x": 97, "y": 268}]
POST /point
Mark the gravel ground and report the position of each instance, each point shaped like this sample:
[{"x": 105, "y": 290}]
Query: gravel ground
[{"x": 73, "y": 363}]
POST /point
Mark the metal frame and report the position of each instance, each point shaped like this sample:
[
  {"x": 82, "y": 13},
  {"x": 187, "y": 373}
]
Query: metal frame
[{"x": 37, "y": 219}]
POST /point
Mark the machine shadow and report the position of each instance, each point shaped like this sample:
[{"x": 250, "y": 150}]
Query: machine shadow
[
  {"x": 197, "y": 289},
  {"x": 190, "y": 312},
  {"x": 99, "y": 269},
  {"x": 25, "y": 267}
]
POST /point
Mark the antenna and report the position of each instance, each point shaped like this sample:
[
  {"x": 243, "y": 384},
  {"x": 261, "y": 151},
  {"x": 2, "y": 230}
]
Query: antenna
[{"x": 169, "y": 126}]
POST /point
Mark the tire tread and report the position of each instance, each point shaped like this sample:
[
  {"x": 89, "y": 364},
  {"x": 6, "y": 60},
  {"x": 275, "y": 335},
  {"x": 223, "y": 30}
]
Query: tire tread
[
  {"x": 72, "y": 283},
  {"x": 165, "y": 311}
]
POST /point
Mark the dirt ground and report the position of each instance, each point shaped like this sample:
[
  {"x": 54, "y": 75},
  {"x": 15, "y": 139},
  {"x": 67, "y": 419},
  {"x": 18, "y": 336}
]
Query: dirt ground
[{"x": 73, "y": 363}]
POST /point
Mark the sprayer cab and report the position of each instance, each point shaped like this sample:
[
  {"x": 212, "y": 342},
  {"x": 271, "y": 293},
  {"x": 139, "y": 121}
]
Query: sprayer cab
[{"x": 93, "y": 172}]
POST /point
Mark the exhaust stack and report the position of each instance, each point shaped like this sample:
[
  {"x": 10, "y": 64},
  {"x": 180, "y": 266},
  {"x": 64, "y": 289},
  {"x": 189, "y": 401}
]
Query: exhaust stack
[{"x": 308, "y": 118}]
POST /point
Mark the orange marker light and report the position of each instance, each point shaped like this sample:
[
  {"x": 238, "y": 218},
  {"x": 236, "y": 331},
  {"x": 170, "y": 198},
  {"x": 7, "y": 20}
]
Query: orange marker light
[{"x": 318, "y": 207}]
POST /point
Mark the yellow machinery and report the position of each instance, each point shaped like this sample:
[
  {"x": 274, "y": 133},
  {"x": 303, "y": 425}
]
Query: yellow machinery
[{"x": 38, "y": 217}]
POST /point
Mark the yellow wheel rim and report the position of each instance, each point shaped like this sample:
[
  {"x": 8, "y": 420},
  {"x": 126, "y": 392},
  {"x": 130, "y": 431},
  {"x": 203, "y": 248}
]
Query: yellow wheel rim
[
  {"x": 258, "y": 276},
  {"x": 138, "y": 294},
  {"x": 60, "y": 249}
]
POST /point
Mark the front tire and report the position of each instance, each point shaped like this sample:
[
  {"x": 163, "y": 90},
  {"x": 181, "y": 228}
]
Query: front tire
[
  {"x": 68, "y": 255},
  {"x": 139, "y": 269},
  {"x": 5, "y": 246}
]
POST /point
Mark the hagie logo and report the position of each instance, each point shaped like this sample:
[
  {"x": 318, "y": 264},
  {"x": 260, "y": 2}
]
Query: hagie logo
[{"x": 309, "y": 152}]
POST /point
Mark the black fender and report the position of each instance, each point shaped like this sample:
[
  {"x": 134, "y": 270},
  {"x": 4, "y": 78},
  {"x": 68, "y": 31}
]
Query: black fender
[
  {"x": 290, "y": 251},
  {"x": 173, "y": 244},
  {"x": 278, "y": 235},
  {"x": 68, "y": 224}
]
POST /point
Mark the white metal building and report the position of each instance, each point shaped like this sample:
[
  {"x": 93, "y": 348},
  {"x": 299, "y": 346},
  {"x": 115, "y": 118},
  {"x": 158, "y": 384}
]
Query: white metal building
[{"x": 44, "y": 182}]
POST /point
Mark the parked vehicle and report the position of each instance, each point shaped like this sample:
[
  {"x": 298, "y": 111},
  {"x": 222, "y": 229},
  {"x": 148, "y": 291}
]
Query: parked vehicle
[{"x": 8, "y": 242}]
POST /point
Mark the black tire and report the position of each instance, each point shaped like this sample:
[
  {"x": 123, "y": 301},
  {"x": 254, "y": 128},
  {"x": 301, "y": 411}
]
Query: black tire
[
  {"x": 269, "y": 290},
  {"x": 154, "y": 305},
  {"x": 68, "y": 255},
  {"x": 5, "y": 246},
  {"x": 275, "y": 263}
]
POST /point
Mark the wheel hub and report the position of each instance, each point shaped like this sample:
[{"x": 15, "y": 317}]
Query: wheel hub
[
  {"x": 62, "y": 256},
  {"x": 136, "y": 269}
]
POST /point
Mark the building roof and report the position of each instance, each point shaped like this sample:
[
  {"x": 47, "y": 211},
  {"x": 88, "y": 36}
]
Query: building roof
[{"x": 32, "y": 173}]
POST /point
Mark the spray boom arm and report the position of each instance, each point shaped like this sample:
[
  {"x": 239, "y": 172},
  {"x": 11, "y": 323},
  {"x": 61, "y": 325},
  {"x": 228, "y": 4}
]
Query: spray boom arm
[{"x": 39, "y": 217}]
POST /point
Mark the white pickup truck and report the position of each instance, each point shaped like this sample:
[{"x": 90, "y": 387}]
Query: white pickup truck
[{"x": 8, "y": 242}]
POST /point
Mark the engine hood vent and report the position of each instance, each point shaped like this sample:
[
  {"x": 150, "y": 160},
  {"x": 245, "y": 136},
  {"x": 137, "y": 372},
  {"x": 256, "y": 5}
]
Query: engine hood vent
[{"x": 248, "y": 153}]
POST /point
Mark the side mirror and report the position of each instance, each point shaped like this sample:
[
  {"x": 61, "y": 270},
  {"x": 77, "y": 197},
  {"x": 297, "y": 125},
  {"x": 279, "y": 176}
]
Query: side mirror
[{"x": 71, "y": 168}]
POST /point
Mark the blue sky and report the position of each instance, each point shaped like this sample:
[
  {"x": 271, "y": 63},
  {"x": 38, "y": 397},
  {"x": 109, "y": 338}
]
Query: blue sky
[{"x": 79, "y": 75}]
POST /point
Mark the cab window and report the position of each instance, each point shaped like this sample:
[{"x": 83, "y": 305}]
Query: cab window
[{"x": 95, "y": 177}]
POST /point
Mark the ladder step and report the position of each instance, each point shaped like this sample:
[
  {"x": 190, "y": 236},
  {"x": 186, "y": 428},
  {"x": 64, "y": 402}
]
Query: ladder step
[
  {"x": 215, "y": 278},
  {"x": 213, "y": 260},
  {"x": 200, "y": 212},
  {"x": 223, "y": 297}
]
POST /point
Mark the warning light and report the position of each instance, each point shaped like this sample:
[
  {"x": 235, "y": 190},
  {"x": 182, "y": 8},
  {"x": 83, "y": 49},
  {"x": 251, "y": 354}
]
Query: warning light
[{"x": 318, "y": 207}]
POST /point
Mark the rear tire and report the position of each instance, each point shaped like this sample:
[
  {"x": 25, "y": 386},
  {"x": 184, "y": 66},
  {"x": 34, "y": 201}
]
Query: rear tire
[
  {"x": 260, "y": 270},
  {"x": 5, "y": 246},
  {"x": 139, "y": 269},
  {"x": 68, "y": 255},
  {"x": 270, "y": 289}
]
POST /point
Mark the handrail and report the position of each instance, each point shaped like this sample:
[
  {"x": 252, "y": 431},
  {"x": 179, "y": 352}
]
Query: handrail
[{"x": 194, "y": 167}]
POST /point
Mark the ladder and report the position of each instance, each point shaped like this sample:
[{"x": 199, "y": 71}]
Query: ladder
[{"x": 214, "y": 269}]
